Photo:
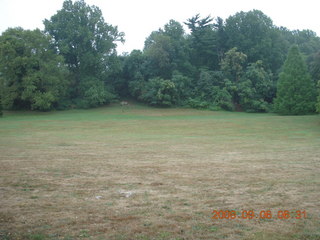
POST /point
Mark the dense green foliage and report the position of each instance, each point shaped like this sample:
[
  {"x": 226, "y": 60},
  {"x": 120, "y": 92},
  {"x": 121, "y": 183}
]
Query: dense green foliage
[
  {"x": 33, "y": 76},
  {"x": 254, "y": 34},
  {"x": 230, "y": 64},
  {"x": 318, "y": 103},
  {"x": 295, "y": 90},
  {"x": 88, "y": 45},
  {"x": 314, "y": 68},
  {"x": 160, "y": 92},
  {"x": 1, "y": 113}
]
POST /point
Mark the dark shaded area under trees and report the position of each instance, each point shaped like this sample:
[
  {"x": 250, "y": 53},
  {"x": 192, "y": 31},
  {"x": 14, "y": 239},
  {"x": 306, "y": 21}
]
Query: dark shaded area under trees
[{"x": 232, "y": 64}]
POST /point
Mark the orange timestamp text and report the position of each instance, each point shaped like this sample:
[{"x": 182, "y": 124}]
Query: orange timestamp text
[{"x": 263, "y": 214}]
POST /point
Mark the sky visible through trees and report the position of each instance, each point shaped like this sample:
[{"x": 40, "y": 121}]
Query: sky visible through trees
[
  {"x": 127, "y": 15},
  {"x": 237, "y": 63}
]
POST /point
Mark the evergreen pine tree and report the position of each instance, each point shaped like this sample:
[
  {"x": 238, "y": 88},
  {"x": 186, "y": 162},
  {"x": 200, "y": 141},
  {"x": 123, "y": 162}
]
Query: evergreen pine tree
[{"x": 295, "y": 91}]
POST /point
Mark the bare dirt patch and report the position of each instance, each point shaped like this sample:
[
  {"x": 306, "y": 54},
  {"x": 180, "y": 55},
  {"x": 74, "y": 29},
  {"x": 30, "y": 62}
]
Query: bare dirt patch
[{"x": 145, "y": 174}]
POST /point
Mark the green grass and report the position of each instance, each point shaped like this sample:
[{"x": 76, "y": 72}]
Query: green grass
[{"x": 179, "y": 165}]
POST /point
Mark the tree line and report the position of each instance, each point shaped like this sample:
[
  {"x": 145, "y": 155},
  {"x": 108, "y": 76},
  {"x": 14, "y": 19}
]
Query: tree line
[{"x": 242, "y": 63}]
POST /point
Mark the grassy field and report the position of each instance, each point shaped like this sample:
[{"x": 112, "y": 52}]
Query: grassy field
[{"x": 147, "y": 173}]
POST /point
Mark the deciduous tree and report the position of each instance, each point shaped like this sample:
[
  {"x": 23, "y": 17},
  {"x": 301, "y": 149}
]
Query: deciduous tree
[
  {"x": 1, "y": 113},
  {"x": 88, "y": 45},
  {"x": 256, "y": 88},
  {"x": 33, "y": 75},
  {"x": 254, "y": 34},
  {"x": 318, "y": 103}
]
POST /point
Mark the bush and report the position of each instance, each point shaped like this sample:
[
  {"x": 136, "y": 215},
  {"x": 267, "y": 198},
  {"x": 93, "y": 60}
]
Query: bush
[
  {"x": 198, "y": 103},
  {"x": 223, "y": 99},
  {"x": 184, "y": 87},
  {"x": 43, "y": 101},
  {"x": 160, "y": 92}
]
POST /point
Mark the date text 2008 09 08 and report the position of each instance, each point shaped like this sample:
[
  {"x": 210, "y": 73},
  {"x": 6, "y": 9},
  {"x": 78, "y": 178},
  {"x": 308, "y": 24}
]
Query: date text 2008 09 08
[{"x": 263, "y": 214}]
